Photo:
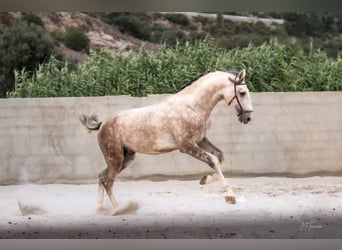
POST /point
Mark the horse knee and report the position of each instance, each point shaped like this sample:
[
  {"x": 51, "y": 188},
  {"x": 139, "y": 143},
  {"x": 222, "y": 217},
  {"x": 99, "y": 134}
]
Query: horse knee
[
  {"x": 207, "y": 179},
  {"x": 220, "y": 156},
  {"x": 108, "y": 185},
  {"x": 203, "y": 180},
  {"x": 103, "y": 176}
]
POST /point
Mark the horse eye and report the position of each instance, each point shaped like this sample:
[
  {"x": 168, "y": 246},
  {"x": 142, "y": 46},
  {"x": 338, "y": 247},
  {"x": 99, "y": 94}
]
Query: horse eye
[{"x": 243, "y": 93}]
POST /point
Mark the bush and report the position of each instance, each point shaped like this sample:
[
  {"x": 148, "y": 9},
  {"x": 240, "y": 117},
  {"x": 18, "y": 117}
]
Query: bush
[
  {"x": 339, "y": 25},
  {"x": 262, "y": 29},
  {"x": 158, "y": 33},
  {"x": 178, "y": 19},
  {"x": 172, "y": 36},
  {"x": 134, "y": 24},
  {"x": 5, "y": 18},
  {"x": 310, "y": 24},
  {"x": 22, "y": 45},
  {"x": 201, "y": 19},
  {"x": 77, "y": 40},
  {"x": 245, "y": 27},
  {"x": 32, "y": 18},
  {"x": 58, "y": 36}
]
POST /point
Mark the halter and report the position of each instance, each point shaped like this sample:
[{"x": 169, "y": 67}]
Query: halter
[{"x": 237, "y": 82}]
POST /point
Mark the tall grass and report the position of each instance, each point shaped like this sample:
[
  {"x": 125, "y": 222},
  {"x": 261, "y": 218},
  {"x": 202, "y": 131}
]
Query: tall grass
[{"x": 270, "y": 67}]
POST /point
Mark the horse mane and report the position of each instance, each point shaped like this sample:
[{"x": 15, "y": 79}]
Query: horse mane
[{"x": 205, "y": 73}]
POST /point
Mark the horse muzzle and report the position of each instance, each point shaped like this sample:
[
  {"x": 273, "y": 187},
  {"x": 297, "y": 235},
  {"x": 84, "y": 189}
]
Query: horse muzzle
[{"x": 245, "y": 117}]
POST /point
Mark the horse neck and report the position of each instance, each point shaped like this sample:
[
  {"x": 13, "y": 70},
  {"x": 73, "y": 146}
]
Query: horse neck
[{"x": 207, "y": 92}]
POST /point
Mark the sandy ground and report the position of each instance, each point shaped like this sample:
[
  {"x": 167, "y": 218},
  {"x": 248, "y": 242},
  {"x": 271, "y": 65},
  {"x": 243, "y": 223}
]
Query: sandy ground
[{"x": 267, "y": 207}]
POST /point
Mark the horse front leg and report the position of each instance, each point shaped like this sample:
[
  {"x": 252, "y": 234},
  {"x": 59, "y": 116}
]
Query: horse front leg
[
  {"x": 207, "y": 146},
  {"x": 213, "y": 161}
]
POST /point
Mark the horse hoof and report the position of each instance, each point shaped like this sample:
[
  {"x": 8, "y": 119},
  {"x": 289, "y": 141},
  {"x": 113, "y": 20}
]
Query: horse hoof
[
  {"x": 230, "y": 199},
  {"x": 102, "y": 211},
  {"x": 203, "y": 181},
  {"x": 130, "y": 208}
]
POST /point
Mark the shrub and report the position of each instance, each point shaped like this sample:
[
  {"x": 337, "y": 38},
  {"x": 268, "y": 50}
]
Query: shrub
[
  {"x": 201, "y": 19},
  {"x": 22, "y": 45},
  {"x": 32, "y": 18},
  {"x": 158, "y": 33},
  {"x": 261, "y": 28},
  {"x": 77, "y": 40},
  {"x": 178, "y": 19},
  {"x": 134, "y": 24},
  {"x": 58, "y": 36},
  {"x": 172, "y": 36},
  {"x": 5, "y": 18},
  {"x": 245, "y": 27},
  {"x": 339, "y": 25},
  {"x": 310, "y": 24}
]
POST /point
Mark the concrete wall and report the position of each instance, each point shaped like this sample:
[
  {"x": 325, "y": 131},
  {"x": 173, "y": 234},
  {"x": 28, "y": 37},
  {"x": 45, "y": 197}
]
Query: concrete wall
[{"x": 294, "y": 133}]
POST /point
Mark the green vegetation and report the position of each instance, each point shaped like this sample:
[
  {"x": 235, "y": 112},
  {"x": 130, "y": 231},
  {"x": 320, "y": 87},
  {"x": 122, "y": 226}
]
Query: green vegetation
[
  {"x": 32, "y": 18},
  {"x": 22, "y": 45},
  {"x": 77, "y": 40},
  {"x": 270, "y": 67},
  {"x": 321, "y": 30},
  {"x": 173, "y": 28},
  {"x": 134, "y": 24},
  {"x": 307, "y": 58},
  {"x": 311, "y": 24},
  {"x": 178, "y": 19}
]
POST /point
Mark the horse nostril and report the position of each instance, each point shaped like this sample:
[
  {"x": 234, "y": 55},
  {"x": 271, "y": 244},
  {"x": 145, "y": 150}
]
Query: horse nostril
[{"x": 249, "y": 119}]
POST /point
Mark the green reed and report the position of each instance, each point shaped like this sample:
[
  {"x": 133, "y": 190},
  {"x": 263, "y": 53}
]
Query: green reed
[{"x": 270, "y": 67}]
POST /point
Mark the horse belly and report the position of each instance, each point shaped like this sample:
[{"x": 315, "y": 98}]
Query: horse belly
[
  {"x": 146, "y": 144},
  {"x": 165, "y": 144}
]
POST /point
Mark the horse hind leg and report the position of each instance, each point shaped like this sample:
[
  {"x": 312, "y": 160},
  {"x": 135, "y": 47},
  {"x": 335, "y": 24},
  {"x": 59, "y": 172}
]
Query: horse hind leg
[
  {"x": 114, "y": 158},
  {"x": 100, "y": 207},
  {"x": 129, "y": 156},
  {"x": 106, "y": 181},
  {"x": 131, "y": 207}
]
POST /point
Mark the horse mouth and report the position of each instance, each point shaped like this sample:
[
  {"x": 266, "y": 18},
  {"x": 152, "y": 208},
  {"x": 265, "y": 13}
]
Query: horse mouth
[{"x": 245, "y": 117}]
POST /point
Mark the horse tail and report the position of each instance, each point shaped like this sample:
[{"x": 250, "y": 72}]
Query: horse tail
[{"x": 90, "y": 122}]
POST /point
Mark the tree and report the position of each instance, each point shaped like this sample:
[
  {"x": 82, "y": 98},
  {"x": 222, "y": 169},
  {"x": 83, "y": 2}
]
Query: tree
[
  {"x": 330, "y": 25},
  {"x": 22, "y": 45},
  {"x": 219, "y": 20},
  {"x": 339, "y": 25},
  {"x": 310, "y": 24},
  {"x": 296, "y": 24}
]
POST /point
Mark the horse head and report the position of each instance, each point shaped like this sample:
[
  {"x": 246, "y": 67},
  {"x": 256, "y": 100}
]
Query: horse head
[{"x": 241, "y": 97}]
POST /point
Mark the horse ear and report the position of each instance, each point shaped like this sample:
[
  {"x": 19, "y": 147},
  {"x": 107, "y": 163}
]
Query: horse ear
[{"x": 242, "y": 75}]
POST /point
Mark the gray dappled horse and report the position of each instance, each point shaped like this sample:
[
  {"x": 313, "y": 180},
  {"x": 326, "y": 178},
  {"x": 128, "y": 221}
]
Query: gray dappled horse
[{"x": 179, "y": 122}]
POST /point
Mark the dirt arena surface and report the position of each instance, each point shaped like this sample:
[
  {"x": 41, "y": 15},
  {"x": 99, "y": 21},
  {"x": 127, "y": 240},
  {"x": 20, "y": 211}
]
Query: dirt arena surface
[{"x": 267, "y": 207}]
